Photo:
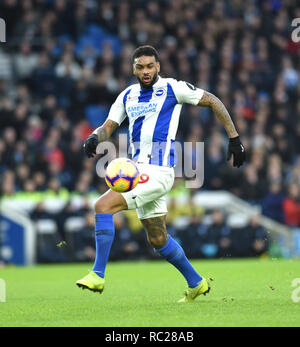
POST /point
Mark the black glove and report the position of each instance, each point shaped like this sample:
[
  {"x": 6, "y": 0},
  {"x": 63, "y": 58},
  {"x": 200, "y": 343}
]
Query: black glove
[
  {"x": 90, "y": 145},
  {"x": 236, "y": 148}
]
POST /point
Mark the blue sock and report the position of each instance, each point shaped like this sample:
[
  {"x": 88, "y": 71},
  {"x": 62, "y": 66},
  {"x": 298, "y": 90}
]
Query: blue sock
[
  {"x": 105, "y": 232},
  {"x": 175, "y": 255}
]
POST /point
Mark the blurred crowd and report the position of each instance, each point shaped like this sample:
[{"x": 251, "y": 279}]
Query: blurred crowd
[
  {"x": 64, "y": 62},
  {"x": 214, "y": 238}
]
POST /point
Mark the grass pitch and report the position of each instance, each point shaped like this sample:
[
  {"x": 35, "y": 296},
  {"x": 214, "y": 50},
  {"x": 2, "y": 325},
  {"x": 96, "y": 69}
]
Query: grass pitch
[{"x": 245, "y": 292}]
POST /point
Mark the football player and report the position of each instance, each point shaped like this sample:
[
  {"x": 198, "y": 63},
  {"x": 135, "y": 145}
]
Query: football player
[{"x": 152, "y": 107}]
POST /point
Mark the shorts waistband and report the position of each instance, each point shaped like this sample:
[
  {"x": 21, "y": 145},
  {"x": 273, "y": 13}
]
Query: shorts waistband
[{"x": 167, "y": 166}]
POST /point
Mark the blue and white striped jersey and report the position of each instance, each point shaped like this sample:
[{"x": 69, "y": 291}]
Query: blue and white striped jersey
[{"x": 153, "y": 115}]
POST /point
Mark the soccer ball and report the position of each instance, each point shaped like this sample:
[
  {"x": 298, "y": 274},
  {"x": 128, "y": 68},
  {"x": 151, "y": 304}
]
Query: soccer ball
[{"x": 122, "y": 175}]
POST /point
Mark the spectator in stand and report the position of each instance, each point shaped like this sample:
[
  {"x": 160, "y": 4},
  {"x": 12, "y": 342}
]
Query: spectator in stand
[
  {"x": 84, "y": 240},
  {"x": 272, "y": 203},
  {"x": 222, "y": 233},
  {"x": 43, "y": 79},
  {"x": 68, "y": 67},
  {"x": 215, "y": 238},
  {"x": 213, "y": 163},
  {"x": 259, "y": 240},
  {"x": 253, "y": 188},
  {"x": 127, "y": 244},
  {"x": 190, "y": 237},
  {"x": 291, "y": 206}
]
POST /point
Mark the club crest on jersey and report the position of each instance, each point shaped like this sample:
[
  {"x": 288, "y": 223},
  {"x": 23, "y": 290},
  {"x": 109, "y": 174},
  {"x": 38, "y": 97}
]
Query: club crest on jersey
[{"x": 159, "y": 93}]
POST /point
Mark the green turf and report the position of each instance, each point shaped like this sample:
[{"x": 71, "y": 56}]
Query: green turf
[{"x": 244, "y": 293}]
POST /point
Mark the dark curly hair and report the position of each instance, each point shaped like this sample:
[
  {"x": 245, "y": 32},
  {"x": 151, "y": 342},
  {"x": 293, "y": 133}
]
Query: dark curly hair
[{"x": 147, "y": 50}]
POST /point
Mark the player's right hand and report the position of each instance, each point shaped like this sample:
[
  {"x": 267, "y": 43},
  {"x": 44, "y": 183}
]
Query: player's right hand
[{"x": 90, "y": 145}]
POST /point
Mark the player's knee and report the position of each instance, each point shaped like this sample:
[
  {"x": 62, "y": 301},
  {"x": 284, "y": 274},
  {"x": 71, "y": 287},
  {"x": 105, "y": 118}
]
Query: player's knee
[
  {"x": 157, "y": 240},
  {"x": 110, "y": 204},
  {"x": 101, "y": 207}
]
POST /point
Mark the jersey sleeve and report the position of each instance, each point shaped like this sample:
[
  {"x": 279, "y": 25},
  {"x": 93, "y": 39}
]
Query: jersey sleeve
[
  {"x": 117, "y": 112},
  {"x": 186, "y": 93}
]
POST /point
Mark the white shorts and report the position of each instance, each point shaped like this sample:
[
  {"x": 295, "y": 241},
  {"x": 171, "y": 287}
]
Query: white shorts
[{"x": 148, "y": 197}]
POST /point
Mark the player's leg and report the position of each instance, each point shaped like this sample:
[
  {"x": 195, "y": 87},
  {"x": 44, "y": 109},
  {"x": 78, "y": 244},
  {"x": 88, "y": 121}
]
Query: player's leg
[
  {"x": 156, "y": 231},
  {"x": 105, "y": 207},
  {"x": 112, "y": 202},
  {"x": 169, "y": 249}
]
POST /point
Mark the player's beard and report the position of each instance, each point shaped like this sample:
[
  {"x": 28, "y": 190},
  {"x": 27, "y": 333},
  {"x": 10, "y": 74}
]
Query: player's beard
[{"x": 154, "y": 80}]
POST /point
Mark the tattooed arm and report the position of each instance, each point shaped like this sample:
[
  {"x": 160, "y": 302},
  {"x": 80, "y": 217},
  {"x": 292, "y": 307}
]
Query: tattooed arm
[
  {"x": 101, "y": 134},
  {"x": 235, "y": 146},
  {"x": 105, "y": 130},
  {"x": 210, "y": 100}
]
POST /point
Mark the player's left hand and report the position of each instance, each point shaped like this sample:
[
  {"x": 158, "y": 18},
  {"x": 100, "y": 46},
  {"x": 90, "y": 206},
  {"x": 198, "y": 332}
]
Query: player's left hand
[{"x": 236, "y": 148}]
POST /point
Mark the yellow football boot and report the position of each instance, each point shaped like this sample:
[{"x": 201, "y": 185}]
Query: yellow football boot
[
  {"x": 192, "y": 293},
  {"x": 92, "y": 282}
]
